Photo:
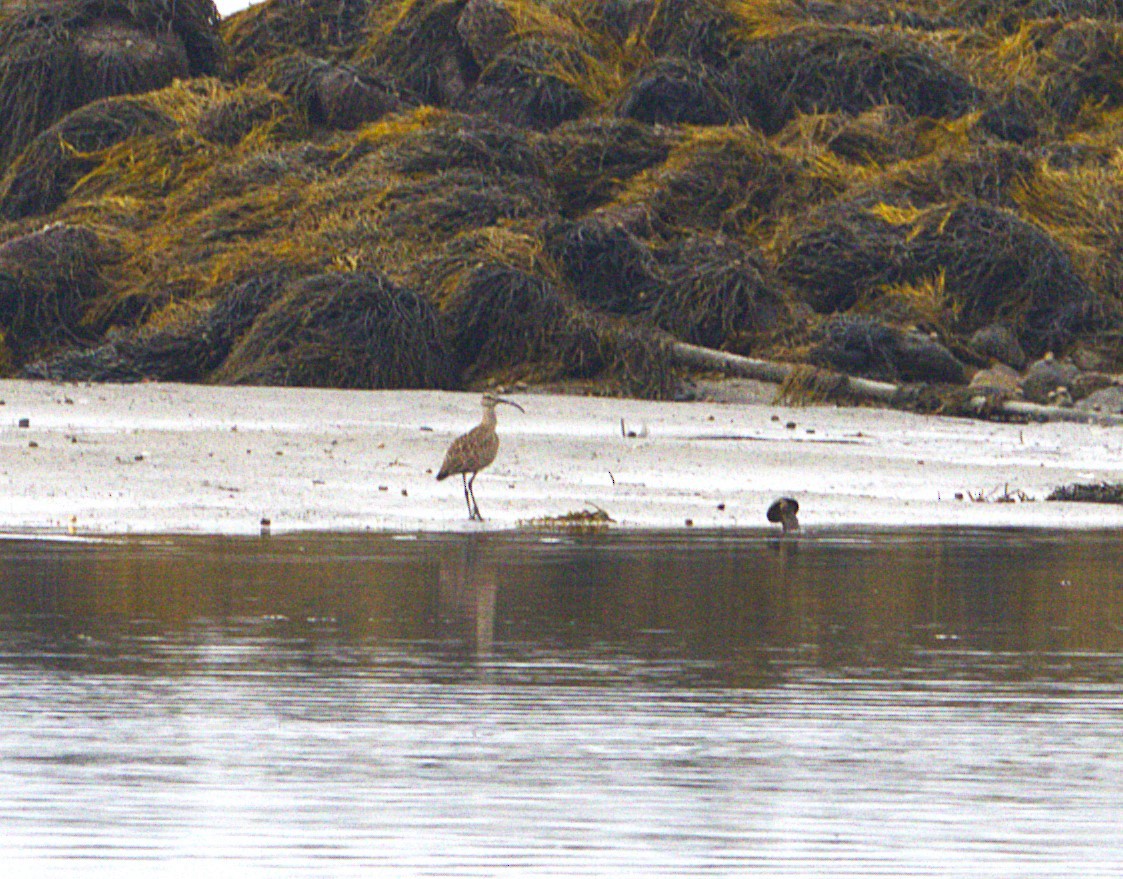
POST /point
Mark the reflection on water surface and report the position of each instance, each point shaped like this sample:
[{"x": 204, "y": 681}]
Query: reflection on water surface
[{"x": 926, "y": 703}]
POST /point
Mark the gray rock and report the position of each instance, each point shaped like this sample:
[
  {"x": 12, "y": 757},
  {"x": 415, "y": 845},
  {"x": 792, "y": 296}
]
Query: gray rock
[
  {"x": 1047, "y": 375},
  {"x": 1000, "y": 379},
  {"x": 1108, "y": 400},
  {"x": 999, "y": 342}
]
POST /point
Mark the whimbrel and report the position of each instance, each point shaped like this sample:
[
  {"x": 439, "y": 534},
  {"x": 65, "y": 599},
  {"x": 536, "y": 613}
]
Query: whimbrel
[
  {"x": 783, "y": 510},
  {"x": 474, "y": 450}
]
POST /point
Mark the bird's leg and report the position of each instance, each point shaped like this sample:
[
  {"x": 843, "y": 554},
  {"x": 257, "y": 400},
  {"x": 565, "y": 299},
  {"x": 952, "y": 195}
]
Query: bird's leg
[
  {"x": 475, "y": 514},
  {"x": 467, "y": 494}
]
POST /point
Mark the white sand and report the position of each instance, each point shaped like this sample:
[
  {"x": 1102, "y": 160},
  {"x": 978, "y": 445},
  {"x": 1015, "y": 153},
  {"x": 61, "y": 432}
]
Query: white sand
[{"x": 176, "y": 458}]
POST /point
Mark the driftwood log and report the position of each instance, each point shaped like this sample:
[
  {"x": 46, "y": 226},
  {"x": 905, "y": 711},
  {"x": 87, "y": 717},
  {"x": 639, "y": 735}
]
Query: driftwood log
[{"x": 865, "y": 389}]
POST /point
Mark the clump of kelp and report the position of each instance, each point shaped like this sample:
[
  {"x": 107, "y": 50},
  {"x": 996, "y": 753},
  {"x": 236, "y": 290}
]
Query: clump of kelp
[{"x": 451, "y": 193}]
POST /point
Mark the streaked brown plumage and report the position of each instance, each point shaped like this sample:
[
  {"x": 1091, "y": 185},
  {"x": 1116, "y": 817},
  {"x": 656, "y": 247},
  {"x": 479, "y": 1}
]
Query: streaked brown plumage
[
  {"x": 784, "y": 510},
  {"x": 474, "y": 451}
]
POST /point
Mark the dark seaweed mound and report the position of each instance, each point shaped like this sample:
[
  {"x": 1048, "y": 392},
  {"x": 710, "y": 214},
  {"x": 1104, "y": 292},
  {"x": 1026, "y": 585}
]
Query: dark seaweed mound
[{"x": 450, "y": 193}]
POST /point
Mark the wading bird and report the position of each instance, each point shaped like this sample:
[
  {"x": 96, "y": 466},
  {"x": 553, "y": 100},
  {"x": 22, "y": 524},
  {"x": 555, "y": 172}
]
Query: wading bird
[
  {"x": 474, "y": 450},
  {"x": 783, "y": 510}
]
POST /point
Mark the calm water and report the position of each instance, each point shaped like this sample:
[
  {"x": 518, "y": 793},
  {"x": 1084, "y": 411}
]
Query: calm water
[{"x": 912, "y": 704}]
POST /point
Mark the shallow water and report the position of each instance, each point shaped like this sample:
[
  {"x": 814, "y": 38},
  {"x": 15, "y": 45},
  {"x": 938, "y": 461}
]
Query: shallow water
[{"x": 854, "y": 704}]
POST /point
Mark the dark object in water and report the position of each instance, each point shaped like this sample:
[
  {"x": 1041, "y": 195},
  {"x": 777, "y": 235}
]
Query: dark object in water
[
  {"x": 1089, "y": 493},
  {"x": 783, "y": 510},
  {"x": 473, "y": 451}
]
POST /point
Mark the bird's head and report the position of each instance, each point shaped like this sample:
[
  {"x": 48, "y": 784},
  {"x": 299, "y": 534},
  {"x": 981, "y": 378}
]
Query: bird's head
[{"x": 490, "y": 401}]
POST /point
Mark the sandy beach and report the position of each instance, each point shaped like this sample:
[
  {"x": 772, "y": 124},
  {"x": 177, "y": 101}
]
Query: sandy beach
[{"x": 162, "y": 458}]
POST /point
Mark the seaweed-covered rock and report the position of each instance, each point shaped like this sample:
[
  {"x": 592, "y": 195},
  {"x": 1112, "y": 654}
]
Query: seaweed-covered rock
[
  {"x": 486, "y": 27},
  {"x": 882, "y": 134},
  {"x": 701, "y": 30},
  {"x": 229, "y": 120},
  {"x": 418, "y": 43},
  {"x": 531, "y": 84},
  {"x": 840, "y": 252},
  {"x": 607, "y": 265},
  {"x": 47, "y": 278},
  {"x": 989, "y": 173},
  {"x": 675, "y": 91},
  {"x": 57, "y": 55},
  {"x": 724, "y": 179},
  {"x": 1015, "y": 118},
  {"x": 341, "y": 330},
  {"x": 992, "y": 265},
  {"x": 1083, "y": 65},
  {"x": 38, "y": 181},
  {"x": 1089, "y": 493},
  {"x": 588, "y": 161},
  {"x": 500, "y": 316},
  {"x": 819, "y": 68},
  {"x": 866, "y": 347},
  {"x": 460, "y": 201},
  {"x": 999, "y": 267},
  {"x": 186, "y": 349},
  {"x": 715, "y": 291},
  {"x": 460, "y": 141},
  {"x": 618, "y": 20},
  {"x": 332, "y": 95},
  {"x": 330, "y": 29}
]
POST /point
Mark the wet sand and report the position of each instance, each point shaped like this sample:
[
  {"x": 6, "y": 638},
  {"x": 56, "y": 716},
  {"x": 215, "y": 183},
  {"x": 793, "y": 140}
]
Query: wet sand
[{"x": 161, "y": 458}]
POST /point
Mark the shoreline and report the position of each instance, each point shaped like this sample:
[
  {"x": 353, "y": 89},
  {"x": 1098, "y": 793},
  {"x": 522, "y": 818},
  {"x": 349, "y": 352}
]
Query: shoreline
[{"x": 101, "y": 460}]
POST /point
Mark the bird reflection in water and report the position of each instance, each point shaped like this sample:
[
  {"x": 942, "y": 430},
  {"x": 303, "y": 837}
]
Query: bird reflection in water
[{"x": 468, "y": 585}]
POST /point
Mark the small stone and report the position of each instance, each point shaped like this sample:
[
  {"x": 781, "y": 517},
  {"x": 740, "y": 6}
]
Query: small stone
[{"x": 25, "y": 422}]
